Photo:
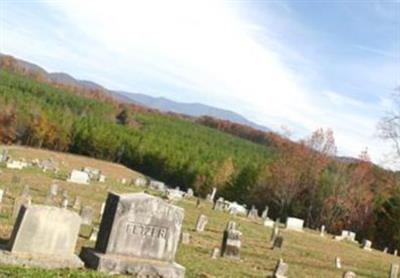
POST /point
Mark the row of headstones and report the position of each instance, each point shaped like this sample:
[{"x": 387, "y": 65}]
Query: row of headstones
[
  {"x": 86, "y": 212},
  {"x": 231, "y": 244},
  {"x": 294, "y": 224},
  {"x": 138, "y": 234}
]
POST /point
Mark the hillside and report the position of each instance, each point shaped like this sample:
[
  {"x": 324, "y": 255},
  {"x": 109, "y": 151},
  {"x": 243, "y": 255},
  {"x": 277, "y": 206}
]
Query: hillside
[
  {"x": 307, "y": 254},
  {"x": 302, "y": 178},
  {"x": 160, "y": 103}
]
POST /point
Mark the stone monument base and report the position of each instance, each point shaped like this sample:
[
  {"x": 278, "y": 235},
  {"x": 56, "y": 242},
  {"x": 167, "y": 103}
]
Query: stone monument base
[
  {"x": 130, "y": 265},
  {"x": 42, "y": 261}
]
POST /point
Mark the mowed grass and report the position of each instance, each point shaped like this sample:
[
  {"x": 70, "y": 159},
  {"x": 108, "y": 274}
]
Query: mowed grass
[{"x": 308, "y": 254}]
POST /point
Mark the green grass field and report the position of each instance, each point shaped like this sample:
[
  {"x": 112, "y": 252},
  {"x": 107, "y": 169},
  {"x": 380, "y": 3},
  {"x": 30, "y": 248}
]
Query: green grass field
[{"x": 308, "y": 254}]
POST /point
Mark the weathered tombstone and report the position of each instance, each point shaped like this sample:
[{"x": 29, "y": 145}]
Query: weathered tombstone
[
  {"x": 189, "y": 193},
  {"x": 185, "y": 238},
  {"x": 80, "y": 177},
  {"x": 264, "y": 214},
  {"x": 347, "y": 235},
  {"x": 294, "y": 224},
  {"x": 322, "y": 230},
  {"x": 87, "y": 215},
  {"x": 93, "y": 173},
  {"x": 395, "y": 252},
  {"x": 1, "y": 195},
  {"x": 278, "y": 242},
  {"x": 281, "y": 269},
  {"x": 102, "y": 178},
  {"x": 77, "y": 203},
  {"x": 215, "y": 253},
  {"x": 93, "y": 234},
  {"x": 64, "y": 203},
  {"x": 394, "y": 271},
  {"x": 338, "y": 263},
  {"x": 210, "y": 197},
  {"x": 385, "y": 250},
  {"x": 219, "y": 204},
  {"x": 253, "y": 213},
  {"x": 138, "y": 235},
  {"x": 53, "y": 190},
  {"x": 19, "y": 202},
  {"x": 366, "y": 245},
  {"x": 43, "y": 236},
  {"x": 201, "y": 223},
  {"x": 349, "y": 274},
  {"x": 231, "y": 241}
]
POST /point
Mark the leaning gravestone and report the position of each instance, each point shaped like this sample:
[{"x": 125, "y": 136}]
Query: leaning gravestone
[
  {"x": 138, "y": 235},
  {"x": 219, "y": 204},
  {"x": 394, "y": 271},
  {"x": 253, "y": 213},
  {"x": 87, "y": 215},
  {"x": 43, "y": 236},
  {"x": 231, "y": 241},
  {"x": 281, "y": 269},
  {"x": 366, "y": 245},
  {"x": 201, "y": 223},
  {"x": 264, "y": 214}
]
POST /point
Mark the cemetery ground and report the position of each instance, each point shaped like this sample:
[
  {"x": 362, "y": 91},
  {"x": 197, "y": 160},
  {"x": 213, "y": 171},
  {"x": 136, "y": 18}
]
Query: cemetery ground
[{"x": 307, "y": 253}]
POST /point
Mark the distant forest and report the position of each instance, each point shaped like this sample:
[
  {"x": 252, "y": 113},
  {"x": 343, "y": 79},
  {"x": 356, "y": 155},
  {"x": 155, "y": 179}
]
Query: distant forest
[{"x": 303, "y": 179}]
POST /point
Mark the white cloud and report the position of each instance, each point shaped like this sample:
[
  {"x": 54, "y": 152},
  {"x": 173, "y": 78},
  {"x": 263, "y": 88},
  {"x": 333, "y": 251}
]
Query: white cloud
[{"x": 209, "y": 53}]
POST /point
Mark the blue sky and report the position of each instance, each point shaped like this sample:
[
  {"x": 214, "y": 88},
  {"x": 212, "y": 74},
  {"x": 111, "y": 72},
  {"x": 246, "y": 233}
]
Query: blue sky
[{"x": 297, "y": 64}]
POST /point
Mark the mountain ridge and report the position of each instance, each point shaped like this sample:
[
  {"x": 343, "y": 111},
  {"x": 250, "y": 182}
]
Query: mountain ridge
[{"x": 161, "y": 103}]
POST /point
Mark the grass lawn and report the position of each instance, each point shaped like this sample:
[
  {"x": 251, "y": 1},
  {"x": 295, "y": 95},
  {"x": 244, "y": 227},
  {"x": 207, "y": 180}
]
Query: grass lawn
[{"x": 307, "y": 253}]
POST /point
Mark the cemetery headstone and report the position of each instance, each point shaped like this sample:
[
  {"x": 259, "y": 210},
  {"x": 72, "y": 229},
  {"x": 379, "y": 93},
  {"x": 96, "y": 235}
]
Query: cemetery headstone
[
  {"x": 294, "y": 224},
  {"x": 215, "y": 253},
  {"x": 338, "y": 263},
  {"x": 219, "y": 204},
  {"x": 201, "y": 223},
  {"x": 349, "y": 274},
  {"x": 231, "y": 242},
  {"x": 80, "y": 177},
  {"x": 385, "y": 250},
  {"x": 64, "y": 203},
  {"x": 394, "y": 270},
  {"x": 53, "y": 190},
  {"x": 264, "y": 214},
  {"x": 366, "y": 245},
  {"x": 77, "y": 203},
  {"x": 87, "y": 215},
  {"x": 253, "y": 213},
  {"x": 138, "y": 235},
  {"x": 322, "y": 230},
  {"x": 185, "y": 238},
  {"x": 210, "y": 197},
  {"x": 189, "y": 192},
  {"x": 1, "y": 195},
  {"x": 395, "y": 252},
  {"x": 281, "y": 269},
  {"x": 43, "y": 236}
]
